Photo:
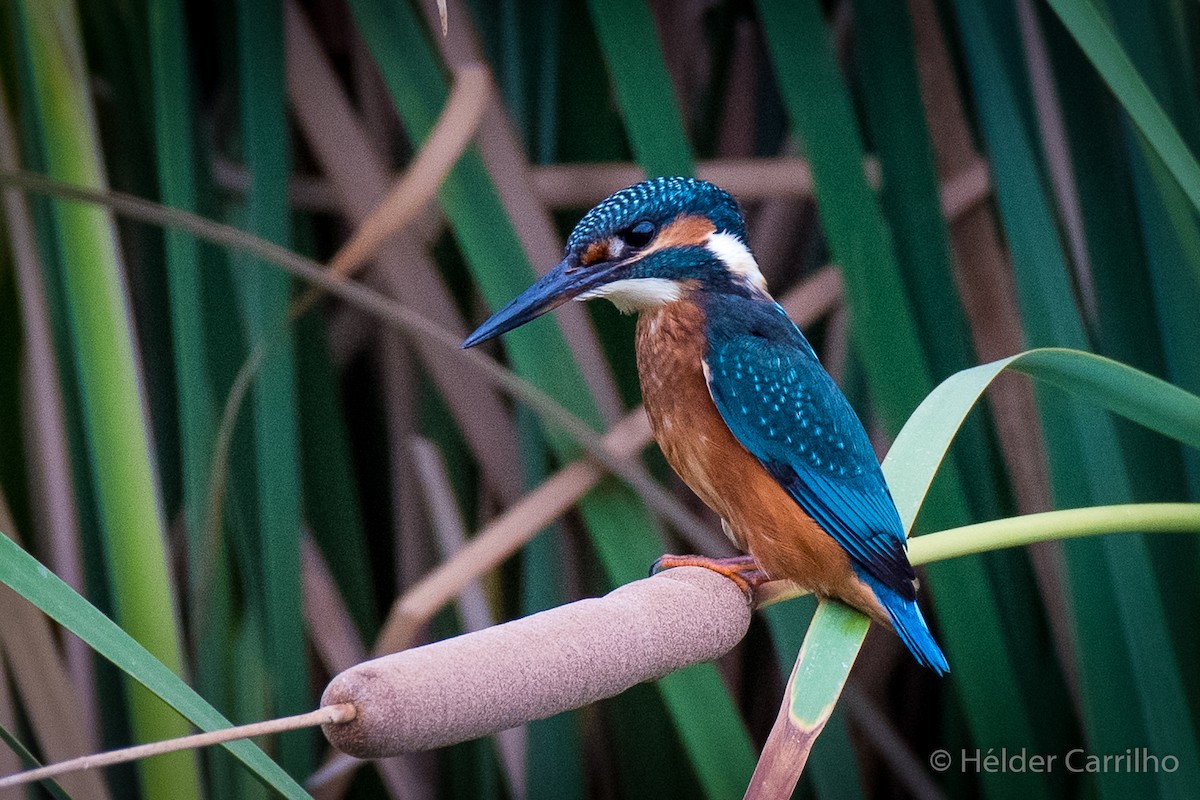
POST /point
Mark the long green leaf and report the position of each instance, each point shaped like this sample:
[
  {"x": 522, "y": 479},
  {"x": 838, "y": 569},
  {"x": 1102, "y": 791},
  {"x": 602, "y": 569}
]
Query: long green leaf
[
  {"x": 265, "y": 295},
  {"x": 28, "y": 761},
  {"x": 23, "y": 574},
  {"x": 910, "y": 195},
  {"x": 1170, "y": 241},
  {"x": 177, "y": 186},
  {"x": 1130, "y": 299},
  {"x": 1100, "y": 44},
  {"x": 910, "y": 198},
  {"x": 625, "y": 30},
  {"x": 554, "y": 756},
  {"x": 819, "y": 107},
  {"x": 208, "y": 578},
  {"x": 330, "y": 489},
  {"x": 102, "y": 333},
  {"x": 1170, "y": 230}
]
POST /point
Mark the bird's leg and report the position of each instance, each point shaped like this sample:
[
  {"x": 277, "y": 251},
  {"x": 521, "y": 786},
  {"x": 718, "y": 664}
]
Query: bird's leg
[{"x": 742, "y": 570}]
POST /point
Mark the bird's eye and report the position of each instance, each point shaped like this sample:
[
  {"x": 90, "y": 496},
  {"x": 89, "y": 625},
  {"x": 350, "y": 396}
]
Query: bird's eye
[{"x": 638, "y": 235}]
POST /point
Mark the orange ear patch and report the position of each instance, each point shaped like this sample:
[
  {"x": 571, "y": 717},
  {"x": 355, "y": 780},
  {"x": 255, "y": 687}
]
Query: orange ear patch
[
  {"x": 684, "y": 230},
  {"x": 596, "y": 252}
]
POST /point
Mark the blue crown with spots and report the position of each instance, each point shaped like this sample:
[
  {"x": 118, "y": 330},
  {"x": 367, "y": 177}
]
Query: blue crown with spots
[{"x": 659, "y": 200}]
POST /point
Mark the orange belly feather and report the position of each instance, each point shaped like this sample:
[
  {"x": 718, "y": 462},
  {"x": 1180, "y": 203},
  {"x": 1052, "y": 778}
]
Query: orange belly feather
[{"x": 761, "y": 518}]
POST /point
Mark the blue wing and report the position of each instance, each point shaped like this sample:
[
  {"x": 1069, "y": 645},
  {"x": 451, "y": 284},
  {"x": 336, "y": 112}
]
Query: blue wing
[{"x": 784, "y": 408}]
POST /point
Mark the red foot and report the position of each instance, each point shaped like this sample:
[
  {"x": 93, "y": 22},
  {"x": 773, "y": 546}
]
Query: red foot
[{"x": 742, "y": 570}]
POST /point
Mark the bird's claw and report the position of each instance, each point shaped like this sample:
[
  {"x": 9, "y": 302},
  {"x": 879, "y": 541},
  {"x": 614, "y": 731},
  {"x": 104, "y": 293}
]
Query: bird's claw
[{"x": 742, "y": 570}]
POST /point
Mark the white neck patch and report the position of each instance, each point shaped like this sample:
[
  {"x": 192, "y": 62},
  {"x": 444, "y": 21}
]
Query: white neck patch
[
  {"x": 636, "y": 294},
  {"x": 737, "y": 258}
]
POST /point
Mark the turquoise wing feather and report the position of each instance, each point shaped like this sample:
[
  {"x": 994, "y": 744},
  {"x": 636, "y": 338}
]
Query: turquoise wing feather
[{"x": 781, "y": 404}]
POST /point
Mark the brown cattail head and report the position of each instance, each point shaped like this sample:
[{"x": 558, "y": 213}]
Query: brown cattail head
[{"x": 480, "y": 683}]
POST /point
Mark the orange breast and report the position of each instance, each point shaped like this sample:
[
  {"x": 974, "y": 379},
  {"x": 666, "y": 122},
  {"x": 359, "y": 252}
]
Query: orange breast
[{"x": 761, "y": 517}]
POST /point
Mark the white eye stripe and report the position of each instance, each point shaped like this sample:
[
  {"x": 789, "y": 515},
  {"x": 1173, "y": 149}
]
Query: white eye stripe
[{"x": 736, "y": 257}]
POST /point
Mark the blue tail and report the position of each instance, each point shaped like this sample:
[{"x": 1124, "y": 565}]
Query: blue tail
[{"x": 910, "y": 626}]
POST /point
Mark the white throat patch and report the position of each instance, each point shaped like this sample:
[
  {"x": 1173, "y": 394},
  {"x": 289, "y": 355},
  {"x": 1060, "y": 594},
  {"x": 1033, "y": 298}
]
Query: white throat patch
[
  {"x": 737, "y": 258},
  {"x": 635, "y": 294}
]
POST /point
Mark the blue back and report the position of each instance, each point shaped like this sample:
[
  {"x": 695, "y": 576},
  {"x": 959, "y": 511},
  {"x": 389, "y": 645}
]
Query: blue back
[{"x": 781, "y": 404}]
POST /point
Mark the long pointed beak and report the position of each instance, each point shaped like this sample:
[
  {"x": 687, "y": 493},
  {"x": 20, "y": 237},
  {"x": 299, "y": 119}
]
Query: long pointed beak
[{"x": 566, "y": 281}]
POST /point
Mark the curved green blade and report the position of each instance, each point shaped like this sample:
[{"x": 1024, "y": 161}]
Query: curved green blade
[
  {"x": 919, "y": 450},
  {"x": 921, "y": 445},
  {"x": 23, "y": 574}
]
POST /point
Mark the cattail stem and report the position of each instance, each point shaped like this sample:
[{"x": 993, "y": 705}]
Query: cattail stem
[{"x": 328, "y": 715}]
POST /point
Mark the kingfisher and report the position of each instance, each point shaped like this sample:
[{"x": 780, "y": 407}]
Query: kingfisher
[{"x": 738, "y": 400}]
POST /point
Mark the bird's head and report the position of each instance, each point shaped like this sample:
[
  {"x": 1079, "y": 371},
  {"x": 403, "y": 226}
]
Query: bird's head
[{"x": 642, "y": 247}]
